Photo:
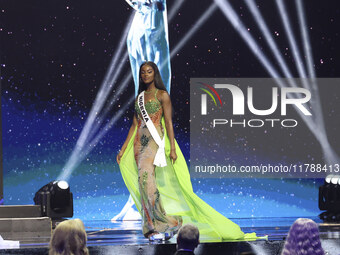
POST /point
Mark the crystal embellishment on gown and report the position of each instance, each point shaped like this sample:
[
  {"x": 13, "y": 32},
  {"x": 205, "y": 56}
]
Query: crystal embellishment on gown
[{"x": 154, "y": 216}]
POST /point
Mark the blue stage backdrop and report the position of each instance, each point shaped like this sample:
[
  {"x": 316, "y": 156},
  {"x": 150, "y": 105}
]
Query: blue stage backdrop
[{"x": 54, "y": 59}]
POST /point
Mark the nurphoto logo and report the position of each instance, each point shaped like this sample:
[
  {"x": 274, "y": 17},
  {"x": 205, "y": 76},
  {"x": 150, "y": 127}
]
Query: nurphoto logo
[{"x": 297, "y": 97}]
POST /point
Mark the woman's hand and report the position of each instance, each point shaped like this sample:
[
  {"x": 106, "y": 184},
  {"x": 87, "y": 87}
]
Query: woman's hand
[
  {"x": 119, "y": 156},
  {"x": 173, "y": 156},
  {"x": 167, "y": 110},
  {"x": 130, "y": 134}
]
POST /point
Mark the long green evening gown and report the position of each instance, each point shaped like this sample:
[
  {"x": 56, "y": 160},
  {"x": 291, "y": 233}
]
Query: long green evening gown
[{"x": 164, "y": 195}]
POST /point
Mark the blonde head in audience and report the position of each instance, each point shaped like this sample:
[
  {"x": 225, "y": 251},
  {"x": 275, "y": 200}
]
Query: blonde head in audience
[{"x": 69, "y": 237}]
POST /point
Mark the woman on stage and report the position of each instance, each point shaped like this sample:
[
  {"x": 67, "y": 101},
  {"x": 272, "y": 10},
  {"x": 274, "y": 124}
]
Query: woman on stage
[
  {"x": 155, "y": 219},
  {"x": 155, "y": 171}
]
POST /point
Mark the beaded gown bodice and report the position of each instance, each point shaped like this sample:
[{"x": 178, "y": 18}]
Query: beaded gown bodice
[{"x": 152, "y": 106}]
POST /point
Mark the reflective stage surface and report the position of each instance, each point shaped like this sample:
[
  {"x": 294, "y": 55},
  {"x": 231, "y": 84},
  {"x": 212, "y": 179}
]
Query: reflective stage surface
[{"x": 105, "y": 237}]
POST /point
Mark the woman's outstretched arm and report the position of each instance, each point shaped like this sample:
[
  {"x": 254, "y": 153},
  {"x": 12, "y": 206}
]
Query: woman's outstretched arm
[
  {"x": 167, "y": 110},
  {"x": 132, "y": 129}
]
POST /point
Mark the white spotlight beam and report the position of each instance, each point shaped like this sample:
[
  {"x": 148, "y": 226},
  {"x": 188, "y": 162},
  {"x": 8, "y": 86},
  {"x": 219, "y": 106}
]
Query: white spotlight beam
[
  {"x": 292, "y": 43},
  {"x": 206, "y": 15},
  {"x": 315, "y": 102},
  {"x": 111, "y": 123},
  {"x": 103, "y": 91},
  {"x": 91, "y": 127},
  {"x": 128, "y": 76},
  {"x": 258, "y": 249},
  {"x": 100, "y": 99},
  {"x": 106, "y": 85},
  {"x": 329, "y": 153},
  {"x": 306, "y": 44},
  {"x": 174, "y": 9},
  {"x": 112, "y": 102},
  {"x": 99, "y": 118},
  {"x": 176, "y": 49},
  {"x": 231, "y": 15},
  {"x": 270, "y": 40},
  {"x": 310, "y": 63},
  {"x": 75, "y": 161},
  {"x": 117, "y": 72},
  {"x": 79, "y": 154}
]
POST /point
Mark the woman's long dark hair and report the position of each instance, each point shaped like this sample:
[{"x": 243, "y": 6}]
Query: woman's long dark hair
[{"x": 157, "y": 79}]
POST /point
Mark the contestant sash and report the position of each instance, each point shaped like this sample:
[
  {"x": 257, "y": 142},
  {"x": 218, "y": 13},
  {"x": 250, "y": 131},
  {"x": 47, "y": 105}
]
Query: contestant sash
[{"x": 160, "y": 159}]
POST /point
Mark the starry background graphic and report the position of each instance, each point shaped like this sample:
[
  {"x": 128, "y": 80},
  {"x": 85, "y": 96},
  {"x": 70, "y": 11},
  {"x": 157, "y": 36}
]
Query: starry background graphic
[{"x": 54, "y": 56}]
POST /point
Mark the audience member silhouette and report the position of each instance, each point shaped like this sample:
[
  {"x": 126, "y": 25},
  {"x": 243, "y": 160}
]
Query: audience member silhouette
[
  {"x": 187, "y": 239},
  {"x": 69, "y": 238}
]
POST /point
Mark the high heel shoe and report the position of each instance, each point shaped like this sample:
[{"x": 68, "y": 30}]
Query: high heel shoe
[{"x": 156, "y": 237}]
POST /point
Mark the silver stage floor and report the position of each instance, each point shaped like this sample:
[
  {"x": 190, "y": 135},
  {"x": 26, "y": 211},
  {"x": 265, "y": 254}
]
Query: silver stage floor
[{"x": 105, "y": 237}]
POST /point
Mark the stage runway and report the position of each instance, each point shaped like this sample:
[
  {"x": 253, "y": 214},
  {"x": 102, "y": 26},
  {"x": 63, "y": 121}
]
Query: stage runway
[{"x": 105, "y": 237}]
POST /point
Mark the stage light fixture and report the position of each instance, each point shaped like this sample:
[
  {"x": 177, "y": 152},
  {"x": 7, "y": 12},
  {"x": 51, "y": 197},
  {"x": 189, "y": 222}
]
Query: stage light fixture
[
  {"x": 335, "y": 179},
  {"x": 328, "y": 178},
  {"x": 329, "y": 199},
  {"x": 55, "y": 199}
]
